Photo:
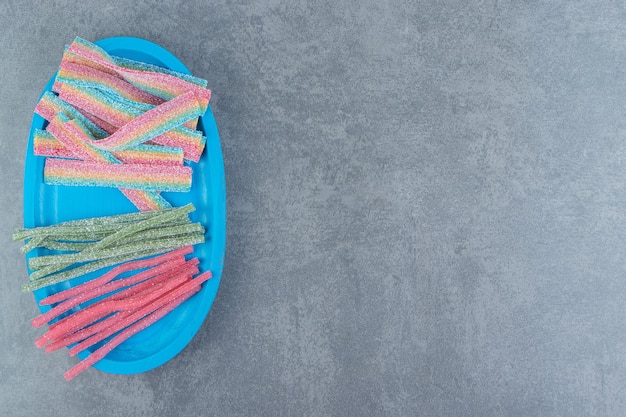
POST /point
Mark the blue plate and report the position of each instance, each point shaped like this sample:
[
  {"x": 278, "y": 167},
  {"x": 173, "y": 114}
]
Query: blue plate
[{"x": 46, "y": 205}]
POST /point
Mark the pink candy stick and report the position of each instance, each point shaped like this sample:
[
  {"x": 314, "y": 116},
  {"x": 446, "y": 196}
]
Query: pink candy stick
[
  {"x": 85, "y": 332},
  {"x": 117, "y": 302},
  {"x": 105, "y": 289},
  {"x": 113, "y": 273},
  {"x": 141, "y": 308},
  {"x": 188, "y": 269},
  {"x": 101, "y": 330},
  {"x": 126, "y": 334}
]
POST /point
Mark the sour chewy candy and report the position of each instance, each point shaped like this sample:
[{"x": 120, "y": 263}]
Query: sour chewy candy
[
  {"x": 120, "y": 123},
  {"x": 137, "y": 176},
  {"x": 161, "y": 84},
  {"x": 108, "y": 245},
  {"x": 45, "y": 144},
  {"x": 127, "y": 333},
  {"x": 97, "y": 136},
  {"x": 72, "y": 134},
  {"x": 105, "y": 109},
  {"x": 83, "y": 75}
]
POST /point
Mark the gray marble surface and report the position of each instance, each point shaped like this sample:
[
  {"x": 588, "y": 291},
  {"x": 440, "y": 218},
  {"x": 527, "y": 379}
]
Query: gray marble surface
[{"x": 425, "y": 208}]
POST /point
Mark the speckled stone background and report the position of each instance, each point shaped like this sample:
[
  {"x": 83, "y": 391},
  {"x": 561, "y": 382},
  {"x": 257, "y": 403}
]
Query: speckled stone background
[{"x": 425, "y": 208}]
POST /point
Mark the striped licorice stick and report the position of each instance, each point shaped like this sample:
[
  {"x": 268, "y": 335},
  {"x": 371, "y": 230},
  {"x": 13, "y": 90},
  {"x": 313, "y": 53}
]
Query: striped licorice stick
[
  {"x": 72, "y": 134},
  {"x": 114, "y": 110},
  {"x": 96, "y": 103},
  {"x": 146, "y": 200},
  {"x": 104, "y": 289},
  {"x": 83, "y": 75},
  {"x": 136, "y": 176},
  {"x": 174, "y": 299},
  {"x": 152, "y": 154},
  {"x": 144, "y": 66},
  {"x": 45, "y": 144},
  {"x": 50, "y": 105},
  {"x": 161, "y": 84},
  {"x": 127, "y": 63},
  {"x": 69, "y": 56},
  {"x": 64, "y": 131},
  {"x": 120, "y": 90},
  {"x": 148, "y": 125},
  {"x": 105, "y": 126},
  {"x": 101, "y": 107},
  {"x": 114, "y": 273}
]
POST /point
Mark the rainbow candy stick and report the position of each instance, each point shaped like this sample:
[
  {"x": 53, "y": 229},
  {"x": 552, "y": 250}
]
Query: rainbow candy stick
[
  {"x": 153, "y": 123},
  {"x": 161, "y": 84},
  {"x": 45, "y": 144},
  {"x": 144, "y": 66},
  {"x": 73, "y": 135},
  {"x": 150, "y": 154},
  {"x": 95, "y": 103},
  {"x": 85, "y": 76},
  {"x": 136, "y": 176},
  {"x": 72, "y": 58},
  {"x": 67, "y": 132},
  {"x": 112, "y": 111},
  {"x": 69, "y": 56},
  {"x": 127, "y": 63},
  {"x": 120, "y": 90},
  {"x": 107, "y": 127},
  {"x": 92, "y": 101},
  {"x": 50, "y": 105}
]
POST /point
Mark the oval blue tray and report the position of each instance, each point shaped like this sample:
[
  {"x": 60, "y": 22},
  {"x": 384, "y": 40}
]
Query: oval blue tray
[{"x": 46, "y": 204}]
